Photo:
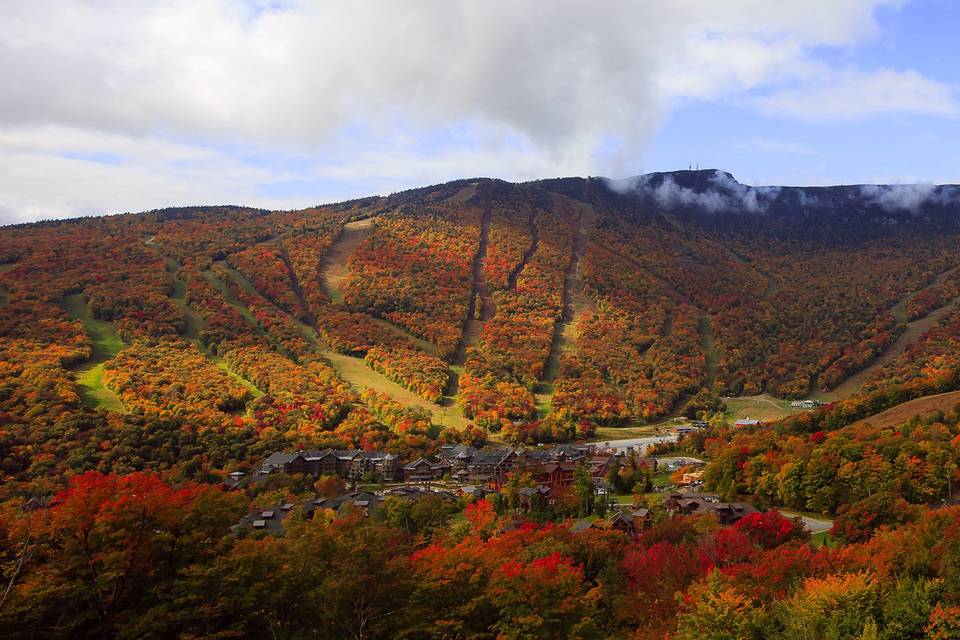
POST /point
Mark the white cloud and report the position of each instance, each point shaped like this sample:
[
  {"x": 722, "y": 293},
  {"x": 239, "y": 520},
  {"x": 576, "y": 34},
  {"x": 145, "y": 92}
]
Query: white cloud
[
  {"x": 725, "y": 193},
  {"x": 216, "y": 100},
  {"x": 773, "y": 145},
  {"x": 850, "y": 95},
  {"x": 54, "y": 172},
  {"x": 907, "y": 197}
]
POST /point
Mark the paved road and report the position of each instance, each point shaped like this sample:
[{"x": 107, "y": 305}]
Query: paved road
[
  {"x": 813, "y": 525},
  {"x": 639, "y": 444}
]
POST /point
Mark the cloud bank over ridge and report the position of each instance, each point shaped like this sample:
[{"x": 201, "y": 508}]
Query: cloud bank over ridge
[
  {"x": 125, "y": 105},
  {"x": 711, "y": 191}
]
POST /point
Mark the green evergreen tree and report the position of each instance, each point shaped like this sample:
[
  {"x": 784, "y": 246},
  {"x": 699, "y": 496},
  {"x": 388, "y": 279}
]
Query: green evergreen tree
[{"x": 583, "y": 487}]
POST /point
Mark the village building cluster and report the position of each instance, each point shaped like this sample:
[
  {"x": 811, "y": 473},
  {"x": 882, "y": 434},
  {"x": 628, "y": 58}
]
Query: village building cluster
[
  {"x": 551, "y": 467},
  {"x": 635, "y": 521},
  {"x": 367, "y": 503},
  {"x": 470, "y": 472}
]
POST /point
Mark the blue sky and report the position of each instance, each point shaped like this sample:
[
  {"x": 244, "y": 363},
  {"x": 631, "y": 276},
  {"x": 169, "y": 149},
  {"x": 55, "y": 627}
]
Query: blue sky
[
  {"x": 122, "y": 106},
  {"x": 891, "y": 147}
]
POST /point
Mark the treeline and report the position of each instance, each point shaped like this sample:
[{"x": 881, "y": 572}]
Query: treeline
[
  {"x": 507, "y": 362},
  {"x": 138, "y": 556},
  {"x": 868, "y": 475}
]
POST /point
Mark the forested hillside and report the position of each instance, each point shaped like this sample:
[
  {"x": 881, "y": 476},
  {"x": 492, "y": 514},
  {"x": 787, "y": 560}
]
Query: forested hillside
[
  {"x": 202, "y": 337},
  {"x": 147, "y": 358}
]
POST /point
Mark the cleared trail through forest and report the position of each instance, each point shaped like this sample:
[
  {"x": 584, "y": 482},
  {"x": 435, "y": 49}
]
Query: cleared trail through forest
[
  {"x": 362, "y": 377},
  {"x": 476, "y": 317},
  {"x": 353, "y": 370},
  {"x": 294, "y": 282},
  {"x": 194, "y": 324},
  {"x": 665, "y": 286},
  {"x": 334, "y": 269},
  {"x": 193, "y": 321},
  {"x": 575, "y": 305},
  {"x": 911, "y": 334},
  {"x": 106, "y": 344},
  {"x": 529, "y": 253},
  {"x": 708, "y": 344},
  {"x": 772, "y": 285},
  {"x": 5, "y": 268},
  {"x": 899, "y": 310},
  {"x": 244, "y": 283},
  {"x": 224, "y": 290},
  {"x": 899, "y": 414}
]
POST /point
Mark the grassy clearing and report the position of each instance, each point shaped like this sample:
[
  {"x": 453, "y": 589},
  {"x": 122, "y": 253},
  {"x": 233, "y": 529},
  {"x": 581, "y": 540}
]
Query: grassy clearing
[
  {"x": 361, "y": 377},
  {"x": 896, "y": 416},
  {"x": 763, "y": 407},
  {"x": 544, "y": 399},
  {"x": 106, "y": 344},
  {"x": 94, "y": 391},
  {"x": 639, "y": 431},
  {"x": 662, "y": 479}
]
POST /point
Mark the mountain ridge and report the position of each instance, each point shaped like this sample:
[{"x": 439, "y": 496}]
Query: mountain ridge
[{"x": 686, "y": 191}]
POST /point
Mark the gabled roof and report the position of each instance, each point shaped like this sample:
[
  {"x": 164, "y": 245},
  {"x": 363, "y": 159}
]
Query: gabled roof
[
  {"x": 563, "y": 465},
  {"x": 419, "y": 462},
  {"x": 493, "y": 456},
  {"x": 280, "y": 458},
  {"x": 318, "y": 455}
]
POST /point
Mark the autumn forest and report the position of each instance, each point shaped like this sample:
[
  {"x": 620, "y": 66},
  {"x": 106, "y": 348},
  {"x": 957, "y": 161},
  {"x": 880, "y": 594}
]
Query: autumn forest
[{"x": 146, "y": 357}]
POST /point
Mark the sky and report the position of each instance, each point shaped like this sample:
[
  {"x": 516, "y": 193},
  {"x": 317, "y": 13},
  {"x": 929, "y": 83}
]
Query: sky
[{"x": 111, "y": 106}]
